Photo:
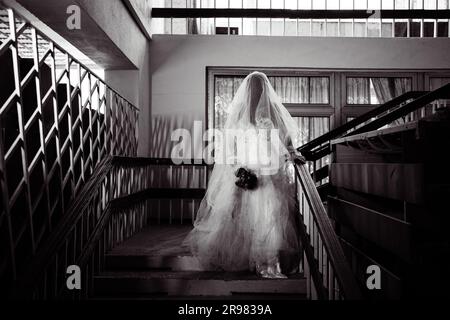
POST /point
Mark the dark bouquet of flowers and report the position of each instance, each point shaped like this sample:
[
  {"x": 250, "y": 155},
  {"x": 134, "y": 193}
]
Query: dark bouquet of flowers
[{"x": 246, "y": 179}]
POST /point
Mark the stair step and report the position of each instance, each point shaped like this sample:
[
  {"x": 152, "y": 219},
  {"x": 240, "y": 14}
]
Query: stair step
[
  {"x": 233, "y": 296},
  {"x": 139, "y": 262},
  {"x": 194, "y": 283}
]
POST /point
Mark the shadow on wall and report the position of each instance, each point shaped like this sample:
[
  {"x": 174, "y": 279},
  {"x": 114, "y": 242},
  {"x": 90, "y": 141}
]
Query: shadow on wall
[{"x": 163, "y": 127}]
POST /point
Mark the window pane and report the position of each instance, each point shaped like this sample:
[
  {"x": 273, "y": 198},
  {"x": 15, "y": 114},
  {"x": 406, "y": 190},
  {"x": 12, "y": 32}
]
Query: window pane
[
  {"x": 221, "y": 26},
  {"x": 179, "y": 26},
  {"x": 221, "y": 3},
  {"x": 249, "y": 26},
  {"x": 193, "y": 26},
  {"x": 443, "y": 4},
  {"x": 235, "y": 3},
  {"x": 178, "y": 3},
  {"x": 428, "y": 29},
  {"x": 277, "y": 4},
  {"x": 436, "y": 83},
  {"x": 332, "y": 28},
  {"x": 387, "y": 4},
  {"x": 159, "y": 26},
  {"x": 225, "y": 89},
  {"x": 417, "y": 4},
  {"x": 318, "y": 28},
  {"x": 251, "y": 4},
  {"x": 375, "y": 90},
  {"x": 319, "y": 90},
  {"x": 430, "y": 4},
  {"x": 291, "y": 4},
  {"x": 359, "y": 28},
  {"x": 401, "y": 4},
  {"x": 264, "y": 4},
  {"x": 263, "y": 27},
  {"x": 312, "y": 127},
  {"x": 235, "y": 26},
  {"x": 207, "y": 26},
  {"x": 290, "y": 27},
  {"x": 318, "y": 4},
  {"x": 304, "y": 28},
  {"x": 358, "y": 91},
  {"x": 401, "y": 29},
  {"x": 442, "y": 30},
  {"x": 333, "y": 4},
  {"x": 373, "y": 28},
  {"x": 291, "y": 89},
  {"x": 277, "y": 27},
  {"x": 207, "y": 3},
  {"x": 386, "y": 29},
  {"x": 347, "y": 4},
  {"x": 345, "y": 29},
  {"x": 374, "y": 4},
  {"x": 414, "y": 28},
  {"x": 305, "y": 4}
]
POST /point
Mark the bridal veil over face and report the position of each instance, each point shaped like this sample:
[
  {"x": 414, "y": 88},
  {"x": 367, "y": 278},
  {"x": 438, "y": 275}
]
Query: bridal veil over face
[
  {"x": 237, "y": 229},
  {"x": 256, "y": 105}
]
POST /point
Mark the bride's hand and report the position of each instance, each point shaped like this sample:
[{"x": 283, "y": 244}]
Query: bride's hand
[{"x": 297, "y": 157}]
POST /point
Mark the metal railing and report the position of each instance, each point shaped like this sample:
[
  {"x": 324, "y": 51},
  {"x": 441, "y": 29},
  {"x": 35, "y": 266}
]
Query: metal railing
[
  {"x": 326, "y": 269},
  {"x": 111, "y": 207},
  {"x": 57, "y": 123}
]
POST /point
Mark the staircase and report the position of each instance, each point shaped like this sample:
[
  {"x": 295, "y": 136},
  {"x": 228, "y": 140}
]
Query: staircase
[
  {"x": 388, "y": 192},
  {"x": 153, "y": 265},
  {"x": 389, "y": 203}
]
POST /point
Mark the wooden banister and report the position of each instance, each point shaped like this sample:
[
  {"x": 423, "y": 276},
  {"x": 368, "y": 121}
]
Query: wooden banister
[
  {"x": 387, "y": 113},
  {"x": 440, "y": 93},
  {"x": 318, "y": 236},
  {"x": 307, "y": 147}
]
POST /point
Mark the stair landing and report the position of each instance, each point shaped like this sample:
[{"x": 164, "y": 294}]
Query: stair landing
[{"x": 153, "y": 264}]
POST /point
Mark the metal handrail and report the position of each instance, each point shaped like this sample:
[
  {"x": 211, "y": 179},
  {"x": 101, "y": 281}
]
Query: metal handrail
[
  {"x": 51, "y": 140},
  {"x": 328, "y": 268},
  {"x": 111, "y": 207}
]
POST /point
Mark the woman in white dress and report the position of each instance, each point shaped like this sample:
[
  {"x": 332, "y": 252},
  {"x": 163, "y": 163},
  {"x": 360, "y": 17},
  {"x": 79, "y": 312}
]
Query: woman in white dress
[{"x": 246, "y": 221}]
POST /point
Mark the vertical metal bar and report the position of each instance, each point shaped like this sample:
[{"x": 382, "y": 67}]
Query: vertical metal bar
[
  {"x": 41, "y": 126},
  {"x": 90, "y": 134},
  {"x": 422, "y": 21},
  {"x": 408, "y": 23},
  {"x": 21, "y": 122},
  {"x": 59, "y": 143},
  {"x": 330, "y": 282},
  {"x": 7, "y": 207},
  {"x": 80, "y": 116}
]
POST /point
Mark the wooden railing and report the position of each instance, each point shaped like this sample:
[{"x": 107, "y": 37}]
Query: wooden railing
[
  {"x": 58, "y": 122},
  {"x": 318, "y": 148},
  {"x": 111, "y": 207},
  {"x": 327, "y": 271},
  {"x": 398, "y": 108}
]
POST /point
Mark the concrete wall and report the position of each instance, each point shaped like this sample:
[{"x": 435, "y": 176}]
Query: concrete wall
[
  {"x": 115, "y": 20},
  {"x": 178, "y": 67}
]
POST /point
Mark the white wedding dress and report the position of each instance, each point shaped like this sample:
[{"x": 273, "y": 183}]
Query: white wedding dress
[{"x": 238, "y": 229}]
